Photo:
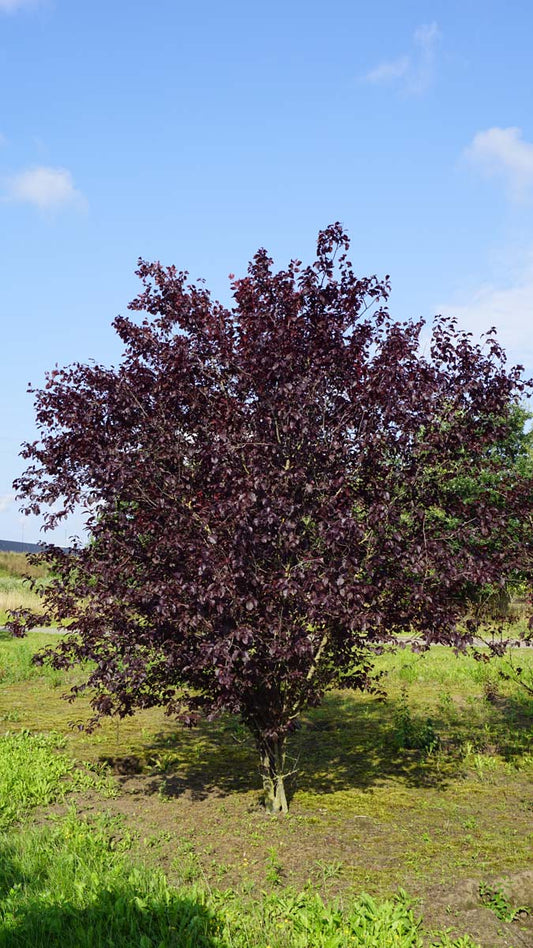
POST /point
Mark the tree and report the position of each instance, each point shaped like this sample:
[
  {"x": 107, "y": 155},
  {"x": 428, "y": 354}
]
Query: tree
[{"x": 273, "y": 492}]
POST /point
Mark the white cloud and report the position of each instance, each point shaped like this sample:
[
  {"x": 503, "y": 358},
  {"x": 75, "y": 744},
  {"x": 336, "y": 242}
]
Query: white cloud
[
  {"x": 5, "y": 501},
  {"x": 388, "y": 71},
  {"x": 413, "y": 73},
  {"x": 509, "y": 308},
  {"x": 46, "y": 188},
  {"x": 502, "y": 152},
  {"x": 10, "y": 6}
]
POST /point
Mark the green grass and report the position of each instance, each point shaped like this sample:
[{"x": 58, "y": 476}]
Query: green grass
[
  {"x": 17, "y": 564},
  {"x": 14, "y": 591},
  {"x": 15, "y": 594},
  {"x": 16, "y": 666},
  {"x": 425, "y": 789},
  {"x": 33, "y": 772},
  {"x": 72, "y": 884}
]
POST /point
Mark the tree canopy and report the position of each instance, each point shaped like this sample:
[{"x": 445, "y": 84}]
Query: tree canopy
[{"x": 273, "y": 492}]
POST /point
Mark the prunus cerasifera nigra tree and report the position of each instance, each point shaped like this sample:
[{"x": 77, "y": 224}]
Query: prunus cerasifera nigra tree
[{"x": 272, "y": 492}]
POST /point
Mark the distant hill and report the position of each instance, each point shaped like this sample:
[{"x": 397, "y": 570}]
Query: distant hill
[{"x": 12, "y": 546}]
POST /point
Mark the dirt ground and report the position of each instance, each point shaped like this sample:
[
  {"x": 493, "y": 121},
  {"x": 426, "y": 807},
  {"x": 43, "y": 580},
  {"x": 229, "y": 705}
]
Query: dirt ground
[{"x": 211, "y": 837}]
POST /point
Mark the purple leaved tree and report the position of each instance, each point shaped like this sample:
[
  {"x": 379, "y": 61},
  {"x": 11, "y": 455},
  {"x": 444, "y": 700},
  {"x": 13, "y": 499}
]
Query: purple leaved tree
[{"x": 273, "y": 492}]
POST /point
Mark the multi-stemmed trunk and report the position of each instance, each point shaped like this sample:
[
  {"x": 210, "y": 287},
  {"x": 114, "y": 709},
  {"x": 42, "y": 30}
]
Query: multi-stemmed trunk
[{"x": 272, "y": 753}]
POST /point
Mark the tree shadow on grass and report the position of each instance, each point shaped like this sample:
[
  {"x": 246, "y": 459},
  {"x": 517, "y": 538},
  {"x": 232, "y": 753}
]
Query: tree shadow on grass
[
  {"x": 343, "y": 745},
  {"x": 33, "y": 915},
  {"x": 347, "y": 743},
  {"x": 184, "y": 922}
]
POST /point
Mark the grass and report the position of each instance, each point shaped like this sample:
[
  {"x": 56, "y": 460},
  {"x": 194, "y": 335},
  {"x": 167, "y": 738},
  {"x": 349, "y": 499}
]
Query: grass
[
  {"x": 73, "y": 884},
  {"x": 430, "y": 789},
  {"x": 33, "y": 773},
  {"x": 17, "y": 564},
  {"x": 14, "y": 590},
  {"x": 15, "y": 594},
  {"x": 16, "y": 664}
]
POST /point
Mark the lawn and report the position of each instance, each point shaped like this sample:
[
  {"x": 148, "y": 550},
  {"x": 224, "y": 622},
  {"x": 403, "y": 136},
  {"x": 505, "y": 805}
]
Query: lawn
[{"x": 428, "y": 791}]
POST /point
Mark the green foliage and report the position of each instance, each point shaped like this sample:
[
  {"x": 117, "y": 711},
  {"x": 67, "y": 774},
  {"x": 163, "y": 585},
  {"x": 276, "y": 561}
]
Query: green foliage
[
  {"x": 412, "y": 732},
  {"x": 73, "y": 884},
  {"x": 33, "y": 773},
  {"x": 299, "y": 920},
  {"x": 495, "y": 899}
]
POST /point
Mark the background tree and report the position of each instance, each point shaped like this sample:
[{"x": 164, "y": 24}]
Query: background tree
[{"x": 273, "y": 493}]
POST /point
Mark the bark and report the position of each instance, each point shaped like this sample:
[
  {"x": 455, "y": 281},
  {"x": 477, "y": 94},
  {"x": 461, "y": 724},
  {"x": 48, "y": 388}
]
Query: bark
[{"x": 272, "y": 754}]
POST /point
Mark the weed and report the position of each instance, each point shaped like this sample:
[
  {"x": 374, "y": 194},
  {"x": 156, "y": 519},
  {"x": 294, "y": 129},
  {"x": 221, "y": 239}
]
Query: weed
[
  {"x": 33, "y": 773},
  {"x": 302, "y": 919},
  {"x": 445, "y": 941},
  {"x": 499, "y": 904},
  {"x": 67, "y": 885},
  {"x": 12, "y": 716},
  {"x": 484, "y": 766},
  {"x": 412, "y": 733},
  {"x": 164, "y": 762},
  {"x": 329, "y": 870},
  {"x": 220, "y": 869},
  {"x": 274, "y": 868},
  {"x": 186, "y": 863}
]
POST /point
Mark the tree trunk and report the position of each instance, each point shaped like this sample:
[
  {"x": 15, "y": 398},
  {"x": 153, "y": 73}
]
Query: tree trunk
[{"x": 272, "y": 771}]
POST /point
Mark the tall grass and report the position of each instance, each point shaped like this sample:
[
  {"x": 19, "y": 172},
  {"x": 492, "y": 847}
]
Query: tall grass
[
  {"x": 17, "y": 564},
  {"x": 15, "y": 593}
]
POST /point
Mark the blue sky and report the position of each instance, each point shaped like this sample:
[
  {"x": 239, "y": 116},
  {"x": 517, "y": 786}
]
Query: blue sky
[{"x": 194, "y": 134}]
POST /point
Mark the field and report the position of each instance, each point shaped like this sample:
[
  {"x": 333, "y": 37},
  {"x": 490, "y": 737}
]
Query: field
[
  {"x": 145, "y": 834},
  {"x": 14, "y": 593}
]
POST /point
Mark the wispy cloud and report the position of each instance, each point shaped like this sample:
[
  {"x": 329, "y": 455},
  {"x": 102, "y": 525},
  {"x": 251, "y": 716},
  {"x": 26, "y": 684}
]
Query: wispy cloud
[
  {"x": 507, "y": 307},
  {"x": 502, "y": 153},
  {"x": 389, "y": 71},
  {"x": 10, "y": 6},
  {"x": 46, "y": 188},
  {"x": 412, "y": 72}
]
